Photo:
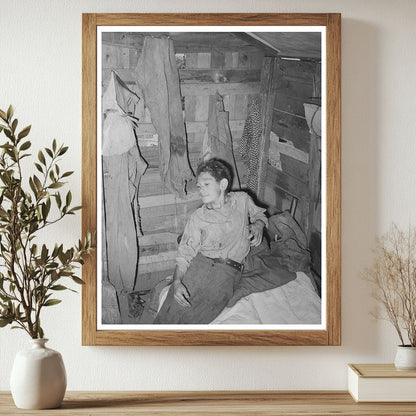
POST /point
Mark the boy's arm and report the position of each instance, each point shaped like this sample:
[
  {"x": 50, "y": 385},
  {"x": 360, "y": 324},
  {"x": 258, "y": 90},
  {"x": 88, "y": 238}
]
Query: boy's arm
[
  {"x": 258, "y": 221},
  {"x": 180, "y": 292},
  {"x": 187, "y": 250},
  {"x": 256, "y": 213},
  {"x": 189, "y": 245}
]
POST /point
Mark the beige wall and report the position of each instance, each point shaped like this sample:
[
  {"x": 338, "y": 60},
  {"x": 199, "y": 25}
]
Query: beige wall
[{"x": 40, "y": 73}]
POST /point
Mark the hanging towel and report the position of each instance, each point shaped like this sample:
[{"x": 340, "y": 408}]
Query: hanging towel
[
  {"x": 250, "y": 145},
  {"x": 123, "y": 167},
  {"x": 158, "y": 78},
  {"x": 217, "y": 139}
]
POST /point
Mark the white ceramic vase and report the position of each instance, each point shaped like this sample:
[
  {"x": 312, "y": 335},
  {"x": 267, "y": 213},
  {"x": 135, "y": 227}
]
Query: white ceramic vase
[
  {"x": 38, "y": 377},
  {"x": 405, "y": 358}
]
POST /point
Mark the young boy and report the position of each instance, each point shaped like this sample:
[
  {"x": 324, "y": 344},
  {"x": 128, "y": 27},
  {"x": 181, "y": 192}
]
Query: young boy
[{"x": 215, "y": 242}]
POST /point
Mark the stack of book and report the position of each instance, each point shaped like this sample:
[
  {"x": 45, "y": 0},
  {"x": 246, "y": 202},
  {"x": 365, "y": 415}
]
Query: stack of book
[{"x": 381, "y": 383}]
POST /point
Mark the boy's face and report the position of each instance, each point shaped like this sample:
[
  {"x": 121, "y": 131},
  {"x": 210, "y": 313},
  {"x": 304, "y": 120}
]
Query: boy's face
[{"x": 209, "y": 189}]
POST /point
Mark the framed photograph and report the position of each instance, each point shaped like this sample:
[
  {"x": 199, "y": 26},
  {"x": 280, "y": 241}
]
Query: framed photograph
[{"x": 211, "y": 172}]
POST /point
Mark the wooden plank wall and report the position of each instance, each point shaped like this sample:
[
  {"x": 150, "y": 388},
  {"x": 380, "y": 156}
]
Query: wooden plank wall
[
  {"x": 236, "y": 75},
  {"x": 287, "y": 173},
  {"x": 288, "y": 170}
]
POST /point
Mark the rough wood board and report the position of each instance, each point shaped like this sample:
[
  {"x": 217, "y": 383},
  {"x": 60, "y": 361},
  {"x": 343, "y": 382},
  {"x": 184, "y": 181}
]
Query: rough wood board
[
  {"x": 289, "y": 104},
  {"x": 230, "y": 88},
  {"x": 298, "y": 136}
]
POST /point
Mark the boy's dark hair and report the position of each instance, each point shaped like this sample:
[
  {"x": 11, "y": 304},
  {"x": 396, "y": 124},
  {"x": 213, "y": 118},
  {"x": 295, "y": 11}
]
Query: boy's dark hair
[{"x": 218, "y": 168}]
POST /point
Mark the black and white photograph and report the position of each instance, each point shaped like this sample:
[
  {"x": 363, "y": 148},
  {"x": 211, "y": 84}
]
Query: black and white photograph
[{"x": 211, "y": 188}]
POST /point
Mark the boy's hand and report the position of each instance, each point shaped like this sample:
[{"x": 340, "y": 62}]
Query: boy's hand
[
  {"x": 256, "y": 233},
  {"x": 181, "y": 294}
]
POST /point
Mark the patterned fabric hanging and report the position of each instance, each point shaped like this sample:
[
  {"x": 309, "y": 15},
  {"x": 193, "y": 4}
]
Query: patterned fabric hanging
[{"x": 250, "y": 145}]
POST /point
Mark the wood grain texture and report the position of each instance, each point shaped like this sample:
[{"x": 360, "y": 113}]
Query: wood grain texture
[
  {"x": 180, "y": 403},
  {"x": 330, "y": 336},
  {"x": 380, "y": 371},
  {"x": 211, "y": 19},
  {"x": 333, "y": 178},
  {"x": 89, "y": 173}
]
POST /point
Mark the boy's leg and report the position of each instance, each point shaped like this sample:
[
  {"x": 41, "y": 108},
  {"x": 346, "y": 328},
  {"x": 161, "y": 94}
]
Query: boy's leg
[{"x": 210, "y": 285}]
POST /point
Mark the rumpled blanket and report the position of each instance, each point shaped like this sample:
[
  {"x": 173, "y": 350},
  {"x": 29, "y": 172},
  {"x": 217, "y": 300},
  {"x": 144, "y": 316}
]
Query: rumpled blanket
[
  {"x": 289, "y": 244},
  {"x": 262, "y": 271}
]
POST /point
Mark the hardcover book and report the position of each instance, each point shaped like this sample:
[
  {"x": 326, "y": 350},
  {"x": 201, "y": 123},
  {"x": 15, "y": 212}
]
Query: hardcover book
[{"x": 381, "y": 383}]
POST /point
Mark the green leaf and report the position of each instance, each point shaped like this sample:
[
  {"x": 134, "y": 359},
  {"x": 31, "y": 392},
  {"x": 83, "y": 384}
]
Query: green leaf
[
  {"x": 8, "y": 133},
  {"x": 5, "y": 321},
  {"x": 34, "y": 249},
  {"x": 59, "y": 287},
  {"x": 24, "y": 133},
  {"x": 51, "y": 302},
  {"x": 63, "y": 150},
  {"x": 77, "y": 208},
  {"x": 68, "y": 199},
  {"x": 76, "y": 279},
  {"x": 67, "y": 174},
  {"x": 40, "y": 332},
  {"x": 3, "y": 115},
  {"x": 58, "y": 199},
  {"x": 62, "y": 257},
  {"x": 25, "y": 145},
  {"x": 49, "y": 152},
  {"x": 56, "y": 185},
  {"x": 45, "y": 211},
  {"x": 41, "y": 157},
  {"x": 37, "y": 183},
  {"x": 54, "y": 145},
  {"x": 33, "y": 187},
  {"x": 44, "y": 253},
  {"x": 39, "y": 167},
  {"x": 14, "y": 125},
  {"x": 10, "y": 112}
]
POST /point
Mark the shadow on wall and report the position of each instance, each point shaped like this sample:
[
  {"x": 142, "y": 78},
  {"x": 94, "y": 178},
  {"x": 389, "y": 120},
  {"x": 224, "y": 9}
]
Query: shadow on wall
[{"x": 360, "y": 180}]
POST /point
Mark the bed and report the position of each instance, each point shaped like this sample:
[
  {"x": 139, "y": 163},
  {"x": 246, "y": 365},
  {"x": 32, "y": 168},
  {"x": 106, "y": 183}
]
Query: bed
[{"x": 276, "y": 286}]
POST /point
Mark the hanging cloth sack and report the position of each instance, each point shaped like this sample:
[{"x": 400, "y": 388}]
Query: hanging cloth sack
[
  {"x": 122, "y": 169},
  {"x": 158, "y": 78},
  {"x": 217, "y": 139}
]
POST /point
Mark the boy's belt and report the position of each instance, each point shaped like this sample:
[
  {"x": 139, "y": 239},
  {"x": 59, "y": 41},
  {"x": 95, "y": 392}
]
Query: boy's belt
[{"x": 234, "y": 264}]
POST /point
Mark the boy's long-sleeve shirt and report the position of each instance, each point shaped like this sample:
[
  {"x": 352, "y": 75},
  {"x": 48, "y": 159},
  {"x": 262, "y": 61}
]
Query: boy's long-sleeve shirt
[{"x": 220, "y": 234}]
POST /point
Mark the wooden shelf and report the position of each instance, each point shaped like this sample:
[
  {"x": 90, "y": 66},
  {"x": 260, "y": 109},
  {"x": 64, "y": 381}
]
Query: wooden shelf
[{"x": 179, "y": 403}]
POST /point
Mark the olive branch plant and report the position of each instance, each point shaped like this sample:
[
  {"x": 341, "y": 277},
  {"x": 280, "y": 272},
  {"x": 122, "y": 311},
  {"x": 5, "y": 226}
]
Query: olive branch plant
[
  {"x": 393, "y": 277},
  {"x": 30, "y": 273}
]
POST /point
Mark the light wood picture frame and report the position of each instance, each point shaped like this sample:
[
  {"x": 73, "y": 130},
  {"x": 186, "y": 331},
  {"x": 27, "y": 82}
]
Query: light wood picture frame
[{"x": 329, "y": 332}]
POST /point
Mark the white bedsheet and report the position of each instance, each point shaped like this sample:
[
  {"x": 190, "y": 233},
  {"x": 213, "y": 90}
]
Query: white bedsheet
[{"x": 294, "y": 303}]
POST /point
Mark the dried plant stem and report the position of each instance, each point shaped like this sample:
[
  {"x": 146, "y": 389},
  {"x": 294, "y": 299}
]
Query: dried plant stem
[{"x": 393, "y": 276}]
